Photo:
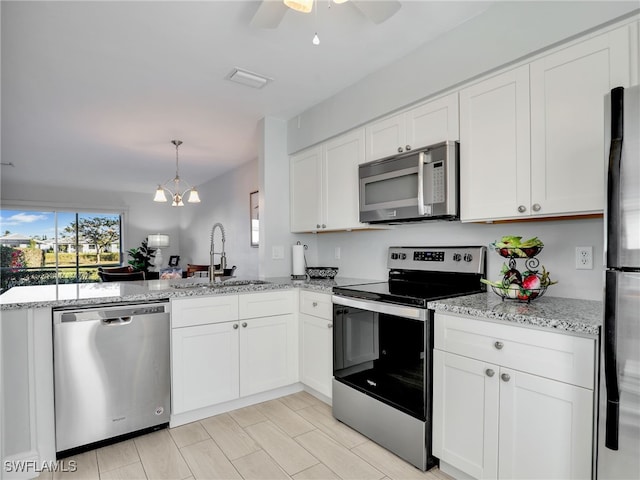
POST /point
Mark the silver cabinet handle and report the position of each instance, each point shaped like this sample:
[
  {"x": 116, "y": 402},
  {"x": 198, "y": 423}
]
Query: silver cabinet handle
[
  {"x": 498, "y": 345},
  {"x": 408, "y": 147},
  {"x": 324, "y": 226},
  {"x": 489, "y": 372},
  {"x": 317, "y": 225},
  {"x": 536, "y": 207},
  {"x": 235, "y": 326},
  {"x": 329, "y": 325},
  {"x": 244, "y": 324},
  {"x": 505, "y": 377},
  {"x": 315, "y": 304},
  {"x": 522, "y": 209},
  {"x": 399, "y": 149}
]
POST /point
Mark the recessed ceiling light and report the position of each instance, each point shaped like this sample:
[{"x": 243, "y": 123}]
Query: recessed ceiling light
[{"x": 247, "y": 78}]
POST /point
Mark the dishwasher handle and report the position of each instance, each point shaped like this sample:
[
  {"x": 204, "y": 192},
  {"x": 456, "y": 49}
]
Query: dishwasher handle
[
  {"x": 116, "y": 321},
  {"x": 119, "y": 314}
]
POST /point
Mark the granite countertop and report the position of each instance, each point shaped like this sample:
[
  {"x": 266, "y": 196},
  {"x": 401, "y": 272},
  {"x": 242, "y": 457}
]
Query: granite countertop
[
  {"x": 564, "y": 315},
  {"x": 84, "y": 294}
]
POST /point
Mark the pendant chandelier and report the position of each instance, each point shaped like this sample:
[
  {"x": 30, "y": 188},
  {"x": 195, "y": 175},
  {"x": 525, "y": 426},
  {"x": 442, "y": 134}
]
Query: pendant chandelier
[{"x": 176, "y": 188}]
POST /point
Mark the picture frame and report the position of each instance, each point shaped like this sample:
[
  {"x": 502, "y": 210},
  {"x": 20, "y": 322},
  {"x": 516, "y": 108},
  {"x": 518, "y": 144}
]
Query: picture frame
[
  {"x": 254, "y": 219},
  {"x": 174, "y": 260}
]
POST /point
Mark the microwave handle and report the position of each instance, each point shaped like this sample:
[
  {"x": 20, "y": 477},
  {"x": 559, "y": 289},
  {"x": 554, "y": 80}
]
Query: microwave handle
[{"x": 421, "y": 209}]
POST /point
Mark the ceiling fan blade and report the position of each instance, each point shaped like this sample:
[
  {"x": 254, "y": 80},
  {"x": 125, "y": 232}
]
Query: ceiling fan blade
[
  {"x": 377, "y": 11},
  {"x": 269, "y": 14}
]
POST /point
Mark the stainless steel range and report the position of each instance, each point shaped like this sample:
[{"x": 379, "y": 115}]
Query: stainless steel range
[{"x": 383, "y": 345}]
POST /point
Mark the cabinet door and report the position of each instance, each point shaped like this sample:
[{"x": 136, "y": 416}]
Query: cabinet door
[
  {"x": 204, "y": 367},
  {"x": 268, "y": 353},
  {"x": 568, "y": 151},
  {"x": 494, "y": 147},
  {"x": 433, "y": 122},
  {"x": 342, "y": 156},
  {"x": 465, "y": 414},
  {"x": 317, "y": 356},
  {"x": 545, "y": 428},
  {"x": 305, "y": 190},
  {"x": 385, "y": 137}
]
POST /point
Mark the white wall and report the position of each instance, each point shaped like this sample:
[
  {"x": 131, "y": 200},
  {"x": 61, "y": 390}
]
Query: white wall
[
  {"x": 363, "y": 254},
  {"x": 503, "y": 34},
  {"x": 274, "y": 200},
  {"x": 225, "y": 199}
]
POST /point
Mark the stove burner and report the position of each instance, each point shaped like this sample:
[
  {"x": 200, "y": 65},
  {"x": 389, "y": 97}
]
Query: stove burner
[{"x": 418, "y": 275}]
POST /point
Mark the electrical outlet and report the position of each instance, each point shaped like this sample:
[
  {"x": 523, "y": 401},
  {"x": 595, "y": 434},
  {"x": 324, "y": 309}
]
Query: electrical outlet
[{"x": 584, "y": 258}]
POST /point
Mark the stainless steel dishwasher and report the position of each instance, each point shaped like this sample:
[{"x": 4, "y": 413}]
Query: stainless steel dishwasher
[{"x": 111, "y": 373}]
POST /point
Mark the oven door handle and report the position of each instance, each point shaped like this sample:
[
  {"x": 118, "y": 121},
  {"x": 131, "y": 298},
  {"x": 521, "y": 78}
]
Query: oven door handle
[{"x": 413, "y": 313}]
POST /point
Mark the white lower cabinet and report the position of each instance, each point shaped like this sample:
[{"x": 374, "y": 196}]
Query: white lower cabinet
[
  {"x": 268, "y": 353},
  {"x": 232, "y": 346},
  {"x": 493, "y": 421},
  {"x": 205, "y": 367},
  {"x": 316, "y": 341}
]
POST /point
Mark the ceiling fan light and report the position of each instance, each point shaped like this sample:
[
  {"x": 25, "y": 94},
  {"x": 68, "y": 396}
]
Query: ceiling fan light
[
  {"x": 340, "y": 1},
  {"x": 160, "y": 195},
  {"x": 193, "y": 196},
  {"x": 304, "y": 6}
]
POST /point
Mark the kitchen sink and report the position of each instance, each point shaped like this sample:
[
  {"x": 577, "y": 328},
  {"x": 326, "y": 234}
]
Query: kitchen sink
[{"x": 218, "y": 285}]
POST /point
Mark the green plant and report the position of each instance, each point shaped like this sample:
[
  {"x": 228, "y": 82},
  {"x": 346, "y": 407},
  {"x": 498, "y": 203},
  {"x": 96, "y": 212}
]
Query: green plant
[{"x": 141, "y": 257}]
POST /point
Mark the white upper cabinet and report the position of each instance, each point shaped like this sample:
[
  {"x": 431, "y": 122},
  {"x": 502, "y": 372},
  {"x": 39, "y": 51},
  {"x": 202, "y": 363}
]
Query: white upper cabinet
[
  {"x": 324, "y": 185},
  {"x": 568, "y": 151},
  {"x": 426, "y": 124},
  {"x": 532, "y": 139},
  {"x": 305, "y": 189},
  {"x": 494, "y": 146}
]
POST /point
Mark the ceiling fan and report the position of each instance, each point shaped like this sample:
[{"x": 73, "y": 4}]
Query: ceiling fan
[{"x": 271, "y": 12}]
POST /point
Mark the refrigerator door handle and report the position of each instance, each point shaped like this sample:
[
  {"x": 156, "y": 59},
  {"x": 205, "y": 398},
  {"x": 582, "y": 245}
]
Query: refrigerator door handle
[
  {"x": 613, "y": 178},
  {"x": 610, "y": 362}
]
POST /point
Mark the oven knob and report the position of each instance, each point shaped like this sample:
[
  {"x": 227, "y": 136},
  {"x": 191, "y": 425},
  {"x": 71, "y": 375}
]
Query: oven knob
[
  {"x": 403, "y": 256},
  {"x": 457, "y": 257},
  {"x": 394, "y": 256},
  {"x": 468, "y": 257}
]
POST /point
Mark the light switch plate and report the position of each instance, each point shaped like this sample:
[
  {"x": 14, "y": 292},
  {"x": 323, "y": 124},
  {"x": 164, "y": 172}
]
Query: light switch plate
[{"x": 277, "y": 252}]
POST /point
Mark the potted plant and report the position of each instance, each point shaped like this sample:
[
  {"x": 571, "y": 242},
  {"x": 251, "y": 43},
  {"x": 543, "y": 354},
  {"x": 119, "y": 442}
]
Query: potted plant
[{"x": 141, "y": 257}]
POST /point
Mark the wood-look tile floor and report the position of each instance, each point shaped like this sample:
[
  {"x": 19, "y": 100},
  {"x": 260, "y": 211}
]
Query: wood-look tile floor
[{"x": 293, "y": 437}]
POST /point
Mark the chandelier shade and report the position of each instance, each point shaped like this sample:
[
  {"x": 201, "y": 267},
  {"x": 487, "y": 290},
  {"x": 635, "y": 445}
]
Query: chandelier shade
[{"x": 176, "y": 188}]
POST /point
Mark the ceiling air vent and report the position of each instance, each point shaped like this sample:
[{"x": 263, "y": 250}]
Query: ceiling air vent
[{"x": 249, "y": 79}]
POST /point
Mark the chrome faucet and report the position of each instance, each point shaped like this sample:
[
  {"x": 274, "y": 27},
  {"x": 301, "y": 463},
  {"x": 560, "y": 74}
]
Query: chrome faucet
[{"x": 223, "y": 257}]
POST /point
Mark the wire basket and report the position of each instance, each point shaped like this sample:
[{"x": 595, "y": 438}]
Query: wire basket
[{"x": 518, "y": 293}]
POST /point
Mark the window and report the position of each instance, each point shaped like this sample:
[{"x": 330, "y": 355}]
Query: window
[{"x": 50, "y": 247}]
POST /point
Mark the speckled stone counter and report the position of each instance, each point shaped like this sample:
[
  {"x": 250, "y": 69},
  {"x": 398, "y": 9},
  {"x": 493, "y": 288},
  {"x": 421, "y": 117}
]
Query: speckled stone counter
[
  {"x": 325, "y": 286},
  {"x": 564, "y": 315},
  {"x": 85, "y": 294}
]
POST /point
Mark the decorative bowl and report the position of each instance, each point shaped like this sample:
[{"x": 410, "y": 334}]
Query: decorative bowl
[{"x": 322, "y": 272}]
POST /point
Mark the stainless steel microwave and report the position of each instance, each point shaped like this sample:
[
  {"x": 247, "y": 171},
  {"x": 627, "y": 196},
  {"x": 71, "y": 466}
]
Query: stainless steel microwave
[{"x": 414, "y": 186}]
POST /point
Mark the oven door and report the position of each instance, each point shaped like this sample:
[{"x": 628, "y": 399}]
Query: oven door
[{"x": 384, "y": 351}]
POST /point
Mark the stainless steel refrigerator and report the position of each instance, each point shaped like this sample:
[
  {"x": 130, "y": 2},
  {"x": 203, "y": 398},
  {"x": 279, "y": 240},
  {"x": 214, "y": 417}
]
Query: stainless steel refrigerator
[{"x": 619, "y": 406}]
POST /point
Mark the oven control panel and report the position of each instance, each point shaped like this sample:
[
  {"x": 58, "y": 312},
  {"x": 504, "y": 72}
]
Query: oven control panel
[{"x": 441, "y": 259}]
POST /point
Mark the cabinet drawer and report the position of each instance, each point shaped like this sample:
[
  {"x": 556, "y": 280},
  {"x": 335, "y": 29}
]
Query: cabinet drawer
[
  {"x": 266, "y": 304},
  {"x": 188, "y": 312},
  {"x": 316, "y": 304},
  {"x": 558, "y": 356}
]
